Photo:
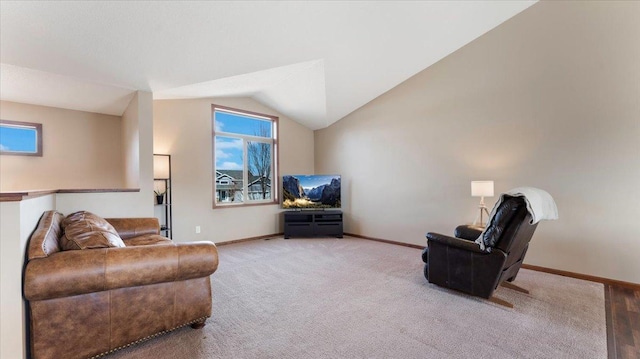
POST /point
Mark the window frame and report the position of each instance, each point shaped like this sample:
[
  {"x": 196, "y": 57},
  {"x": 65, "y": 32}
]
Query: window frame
[
  {"x": 36, "y": 126},
  {"x": 275, "y": 164}
]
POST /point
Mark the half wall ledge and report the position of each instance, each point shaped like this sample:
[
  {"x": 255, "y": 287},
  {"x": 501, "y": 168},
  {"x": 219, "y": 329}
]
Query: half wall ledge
[{"x": 14, "y": 196}]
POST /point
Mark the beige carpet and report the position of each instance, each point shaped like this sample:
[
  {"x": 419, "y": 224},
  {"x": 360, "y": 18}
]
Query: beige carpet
[{"x": 354, "y": 298}]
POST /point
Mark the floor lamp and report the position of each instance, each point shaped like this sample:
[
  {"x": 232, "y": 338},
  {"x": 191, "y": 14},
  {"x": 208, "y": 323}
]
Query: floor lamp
[{"x": 481, "y": 189}]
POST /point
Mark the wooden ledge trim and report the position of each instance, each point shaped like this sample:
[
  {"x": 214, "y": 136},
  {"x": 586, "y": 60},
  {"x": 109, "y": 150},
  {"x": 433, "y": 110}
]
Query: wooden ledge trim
[
  {"x": 16, "y": 196},
  {"x": 20, "y": 195},
  {"x": 99, "y": 190}
]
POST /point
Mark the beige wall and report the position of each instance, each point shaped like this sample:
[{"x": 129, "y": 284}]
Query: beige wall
[
  {"x": 80, "y": 150},
  {"x": 182, "y": 128},
  {"x": 548, "y": 99},
  {"x": 138, "y": 161}
]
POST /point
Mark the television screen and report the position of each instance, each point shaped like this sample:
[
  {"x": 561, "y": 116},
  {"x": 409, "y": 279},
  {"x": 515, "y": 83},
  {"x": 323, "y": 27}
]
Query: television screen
[{"x": 311, "y": 191}]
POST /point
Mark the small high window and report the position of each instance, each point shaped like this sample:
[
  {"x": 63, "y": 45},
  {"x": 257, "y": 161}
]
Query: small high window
[
  {"x": 20, "y": 138},
  {"x": 244, "y": 157}
]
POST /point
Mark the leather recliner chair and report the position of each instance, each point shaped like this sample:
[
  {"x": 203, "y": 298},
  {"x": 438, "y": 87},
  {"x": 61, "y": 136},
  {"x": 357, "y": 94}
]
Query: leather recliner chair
[
  {"x": 459, "y": 263},
  {"x": 90, "y": 302}
]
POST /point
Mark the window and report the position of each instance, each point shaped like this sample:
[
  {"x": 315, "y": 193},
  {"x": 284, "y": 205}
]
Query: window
[
  {"x": 20, "y": 138},
  {"x": 244, "y": 157}
]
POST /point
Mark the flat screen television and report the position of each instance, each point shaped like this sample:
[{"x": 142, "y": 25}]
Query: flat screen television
[{"x": 311, "y": 191}]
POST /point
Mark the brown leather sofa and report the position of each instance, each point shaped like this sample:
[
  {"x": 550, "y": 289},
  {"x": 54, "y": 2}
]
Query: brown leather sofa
[{"x": 89, "y": 302}]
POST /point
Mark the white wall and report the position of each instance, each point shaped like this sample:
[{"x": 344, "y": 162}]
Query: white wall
[
  {"x": 182, "y": 128},
  {"x": 80, "y": 150},
  {"x": 18, "y": 220},
  {"x": 107, "y": 204},
  {"x": 548, "y": 99}
]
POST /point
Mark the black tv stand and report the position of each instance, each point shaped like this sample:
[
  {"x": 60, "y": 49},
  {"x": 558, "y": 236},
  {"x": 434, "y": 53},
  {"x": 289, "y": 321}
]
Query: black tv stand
[{"x": 313, "y": 223}]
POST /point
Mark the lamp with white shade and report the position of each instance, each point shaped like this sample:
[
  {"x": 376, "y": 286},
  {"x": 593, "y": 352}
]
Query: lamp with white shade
[
  {"x": 481, "y": 189},
  {"x": 161, "y": 166}
]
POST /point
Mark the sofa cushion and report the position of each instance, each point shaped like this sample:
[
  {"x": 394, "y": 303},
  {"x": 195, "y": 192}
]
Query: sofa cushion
[
  {"x": 85, "y": 230},
  {"x": 146, "y": 240},
  {"x": 133, "y": 227}
]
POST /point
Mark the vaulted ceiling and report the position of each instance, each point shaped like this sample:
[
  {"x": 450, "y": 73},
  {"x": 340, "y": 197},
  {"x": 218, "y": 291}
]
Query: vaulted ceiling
[{"x": 314, "y": 62}]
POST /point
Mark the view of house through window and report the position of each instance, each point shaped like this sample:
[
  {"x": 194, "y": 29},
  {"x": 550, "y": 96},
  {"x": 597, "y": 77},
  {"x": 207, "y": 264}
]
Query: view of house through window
[{"x": 244, "y": 156}]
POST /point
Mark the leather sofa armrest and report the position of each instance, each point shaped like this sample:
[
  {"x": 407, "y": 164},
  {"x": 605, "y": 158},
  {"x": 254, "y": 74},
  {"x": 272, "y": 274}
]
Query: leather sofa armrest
[
  {"x": 454, "y": 242},
  {"x": 468, "y": 232},
  {"x": 77, "y": 272},
  {"x": 133, "y": 227}
]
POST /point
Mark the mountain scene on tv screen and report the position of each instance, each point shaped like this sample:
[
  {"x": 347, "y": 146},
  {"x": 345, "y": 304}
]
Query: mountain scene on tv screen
[{"x": 311, "y": 191}]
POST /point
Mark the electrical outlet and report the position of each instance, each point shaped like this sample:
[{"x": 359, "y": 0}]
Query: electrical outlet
[{"x": 197, "y": 229}]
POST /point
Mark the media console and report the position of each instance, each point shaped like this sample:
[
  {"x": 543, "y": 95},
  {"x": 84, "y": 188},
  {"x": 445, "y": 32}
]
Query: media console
[{"x": 312, "y": 223}]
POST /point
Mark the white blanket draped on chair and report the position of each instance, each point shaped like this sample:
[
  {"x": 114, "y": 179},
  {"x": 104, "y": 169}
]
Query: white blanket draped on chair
[{"x": 540, "y": 205}]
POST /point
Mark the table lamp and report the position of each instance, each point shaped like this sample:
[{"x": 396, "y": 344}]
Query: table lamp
[{"x": 481, "y": 189}]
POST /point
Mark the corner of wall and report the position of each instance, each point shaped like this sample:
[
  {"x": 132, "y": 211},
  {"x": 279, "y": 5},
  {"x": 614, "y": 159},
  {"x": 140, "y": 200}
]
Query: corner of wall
[{"x": 130, "y": 144}]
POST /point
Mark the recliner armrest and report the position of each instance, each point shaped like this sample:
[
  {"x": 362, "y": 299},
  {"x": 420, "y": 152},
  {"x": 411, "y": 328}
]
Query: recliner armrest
[
  {"x": 77, "y": 272},
  {"x": 454, "y": 242},
  {"x": 468, "y": 232}
]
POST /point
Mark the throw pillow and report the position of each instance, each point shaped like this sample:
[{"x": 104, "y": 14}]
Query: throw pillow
[{"x": 85, "y": 230}]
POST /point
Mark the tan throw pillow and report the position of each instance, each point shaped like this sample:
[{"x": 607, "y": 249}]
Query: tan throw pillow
[{"x": 85, "y": 230}]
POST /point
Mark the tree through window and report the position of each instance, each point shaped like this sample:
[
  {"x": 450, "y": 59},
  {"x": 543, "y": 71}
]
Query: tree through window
[{"x": 244, "y": 157}]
